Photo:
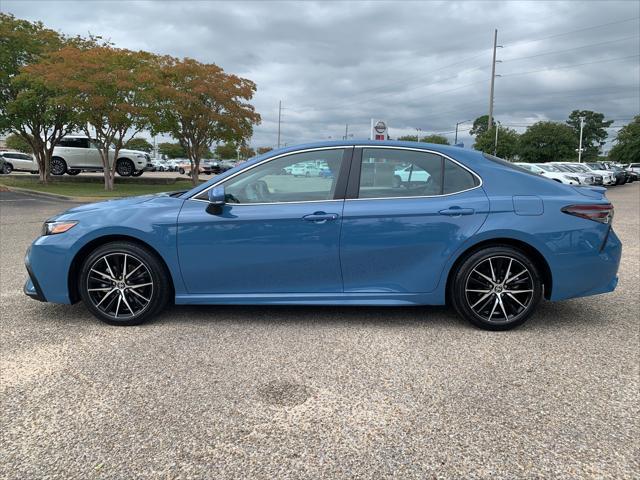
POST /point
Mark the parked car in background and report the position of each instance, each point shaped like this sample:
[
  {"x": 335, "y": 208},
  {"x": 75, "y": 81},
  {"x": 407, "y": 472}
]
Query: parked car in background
[
  {"x": 551, "y": 172},
  {"x": 18, "y": 161},
  {"x": 622, "y": 176},
  {"x": 583, "y": 178},
  {"x": 481, "y": 234},
  {"x": 600, "y": 177},
  {"x": 76, "y": 153},
  {"x": 634, "y": 167},
  {"x": 607, "y": 175}
]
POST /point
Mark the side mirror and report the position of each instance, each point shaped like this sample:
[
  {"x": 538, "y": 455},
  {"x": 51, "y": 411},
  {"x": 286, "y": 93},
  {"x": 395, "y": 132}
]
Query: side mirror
[{"x": 216, "y": 200}]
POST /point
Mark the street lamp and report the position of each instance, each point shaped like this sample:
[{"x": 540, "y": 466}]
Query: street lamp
[
  {"x": 579, "y": 149},
  {"x": 459, "y": 123},
  {"x": 418, "y": 130}
]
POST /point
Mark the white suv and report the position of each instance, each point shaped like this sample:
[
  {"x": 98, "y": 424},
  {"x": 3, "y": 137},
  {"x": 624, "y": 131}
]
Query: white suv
[
  {"x": 74, "y": 154},
  {"x": 20, "y": 162},
  {"x": 551, "y": 172}
]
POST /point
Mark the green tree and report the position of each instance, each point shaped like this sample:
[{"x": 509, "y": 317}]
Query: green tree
[
  {"x": 18, "y": 143},
  {"x": 29, "y": 104},
  {"x": 172, "y": 150},
  {"x": 508, "y": 142},
  {"x": 547, "y": 142},
  {"x": 139, "y": 143},
  {"x": 201, "y": 105},
  {"x": 434, "y": 138},
  {"x": 594, "y": 133},
  {"x": 226, "y": 151},
  {"x": 627, "y": 144},
  {"x": 480, "y": 125}
]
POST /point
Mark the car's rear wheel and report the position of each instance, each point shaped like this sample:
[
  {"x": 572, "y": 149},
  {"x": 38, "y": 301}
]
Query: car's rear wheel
[
  {"x": 123, "y": 283},
  {"x": 125, "y": 167},
  {"x": 496, "y": 288},
  {"x": 58, "y": 166},
  {"x": 7, "y": 169},
  {"x": 181, "y": 171}
]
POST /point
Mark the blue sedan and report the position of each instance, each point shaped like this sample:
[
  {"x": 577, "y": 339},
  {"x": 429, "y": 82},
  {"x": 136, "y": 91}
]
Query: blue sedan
[{"x": 395, "y": 223}]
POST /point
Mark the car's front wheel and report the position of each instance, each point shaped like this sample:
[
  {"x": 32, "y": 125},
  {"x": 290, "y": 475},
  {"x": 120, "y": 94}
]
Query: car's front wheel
[
  {"x": 125, "y": 167},
  {"x": 123, "y": 283},
  {"x": 496, "y": 288}
]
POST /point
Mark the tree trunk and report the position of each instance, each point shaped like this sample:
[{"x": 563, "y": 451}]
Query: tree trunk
[
  {"x": 195, "y": 171},
  {"x": 106, "y": 168}
]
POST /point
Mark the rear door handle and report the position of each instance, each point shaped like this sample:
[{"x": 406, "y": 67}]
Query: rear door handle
[
  {"x": 456, "y": 211},
  {"x": 320, "y": 217}
]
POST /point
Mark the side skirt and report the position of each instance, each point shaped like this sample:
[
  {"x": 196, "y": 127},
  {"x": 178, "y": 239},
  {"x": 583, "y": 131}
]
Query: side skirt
[{"x": 381, "y": 299}]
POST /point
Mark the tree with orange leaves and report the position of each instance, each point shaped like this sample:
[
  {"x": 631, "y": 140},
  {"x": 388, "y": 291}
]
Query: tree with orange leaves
[
  {"x": 201, "y": 105},
  {"x": 113, "y": 90}
]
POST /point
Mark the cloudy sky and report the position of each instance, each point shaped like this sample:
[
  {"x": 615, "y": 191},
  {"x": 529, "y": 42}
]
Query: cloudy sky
[{"x": 415, "y": 64}]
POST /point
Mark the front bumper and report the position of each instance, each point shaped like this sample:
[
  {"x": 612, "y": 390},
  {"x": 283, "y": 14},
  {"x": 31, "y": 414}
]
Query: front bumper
[{"x": 31, "y": 286}]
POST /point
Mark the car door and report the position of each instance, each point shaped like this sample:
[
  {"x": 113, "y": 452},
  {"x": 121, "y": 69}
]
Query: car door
[
  {"x": 397, "y": 237},
  {"x": 276, "y": 234}
]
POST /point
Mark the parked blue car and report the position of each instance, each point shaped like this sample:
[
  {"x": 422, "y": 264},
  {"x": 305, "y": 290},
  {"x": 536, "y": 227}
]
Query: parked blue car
[{"x": 397, "y": 223}]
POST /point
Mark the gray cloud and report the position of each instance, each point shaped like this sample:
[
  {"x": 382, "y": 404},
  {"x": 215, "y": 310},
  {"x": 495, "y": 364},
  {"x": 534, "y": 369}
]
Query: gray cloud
[{"x": 415, "y": 64}]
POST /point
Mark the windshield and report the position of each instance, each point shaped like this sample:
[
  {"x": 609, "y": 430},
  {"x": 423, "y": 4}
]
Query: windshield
[
  {"x": 580, "y": 168},
  {"x": 547, "y": 168}
]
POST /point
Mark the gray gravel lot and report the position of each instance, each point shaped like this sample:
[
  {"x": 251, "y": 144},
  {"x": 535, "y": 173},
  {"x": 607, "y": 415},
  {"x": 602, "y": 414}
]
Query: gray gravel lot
[{"x": 248, "y": 392}]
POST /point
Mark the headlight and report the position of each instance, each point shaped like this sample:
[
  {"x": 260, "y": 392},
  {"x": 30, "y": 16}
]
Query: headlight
[{"x": 54, "y": 228}]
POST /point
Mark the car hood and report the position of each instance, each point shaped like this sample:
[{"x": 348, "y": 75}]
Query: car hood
[{"x": 109, "y": 204}]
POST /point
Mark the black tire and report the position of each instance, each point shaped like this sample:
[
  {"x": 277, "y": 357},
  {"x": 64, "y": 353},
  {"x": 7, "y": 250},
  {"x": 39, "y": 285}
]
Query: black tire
[
  {"x": 125, "y": 167},
  {"x": 181, "y": 171},
  {"x": 7, "y": 169},
  {"x": 58, "y": 166},
  {"x": 154, "y": 271},
  {"x": 73, "y": 172},
  {"x": 137, "y": 173},
  {"x": 469, "y": 294}
]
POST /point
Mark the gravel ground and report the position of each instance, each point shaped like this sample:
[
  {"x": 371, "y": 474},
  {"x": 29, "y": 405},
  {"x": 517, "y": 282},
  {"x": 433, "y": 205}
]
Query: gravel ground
[{"x": 247, "y": 392}]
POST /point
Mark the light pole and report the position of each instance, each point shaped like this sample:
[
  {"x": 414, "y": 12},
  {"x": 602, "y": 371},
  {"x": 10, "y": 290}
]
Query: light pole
[
  {"x": 418, "y": 130},
  {"x": 580, "y": 145},
  {"x": 493, "y": 77},
  {"x": 495, "y": 145},
  {"x": 279, "y": 120},
  {"x": 455, "y": 141}
]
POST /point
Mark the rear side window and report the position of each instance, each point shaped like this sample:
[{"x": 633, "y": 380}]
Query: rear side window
[
  {"x": 389, "y": 173},
  {"x": 456, "y": 178},
  {"x": 397, "y": 173},
  {"x": 74, "y": 142}
]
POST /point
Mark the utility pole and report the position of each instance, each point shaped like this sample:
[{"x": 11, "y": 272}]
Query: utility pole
[
  {"x": 493, "y": 77},
  {"x": 455, "y": 141},
  {"x": 346, "y": 131},
  {"x": 580, "y": 145},
  {"x": 495, "y": 145},
  {"x": 279, "y": 120},
  {"x": 418, "y": 130}
]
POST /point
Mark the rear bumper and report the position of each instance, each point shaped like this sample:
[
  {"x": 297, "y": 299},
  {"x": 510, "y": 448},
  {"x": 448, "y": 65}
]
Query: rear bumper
[{"x": 581, "y": 275}]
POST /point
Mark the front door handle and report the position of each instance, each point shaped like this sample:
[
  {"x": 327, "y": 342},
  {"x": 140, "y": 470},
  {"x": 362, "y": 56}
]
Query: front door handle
[
  {"x": 320, "y": 217},
  {"x": 456, "y": 211}
]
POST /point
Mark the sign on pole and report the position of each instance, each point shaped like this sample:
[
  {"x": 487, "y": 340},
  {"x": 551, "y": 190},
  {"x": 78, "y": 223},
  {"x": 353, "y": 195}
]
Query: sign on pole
[{"x": 379, "y": 131}]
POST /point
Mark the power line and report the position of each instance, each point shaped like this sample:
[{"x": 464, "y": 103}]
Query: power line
[
  {"x": 593, "y": 27},
  {"x": 570, "y": 66},
  {"x": 553, "y": 52}
]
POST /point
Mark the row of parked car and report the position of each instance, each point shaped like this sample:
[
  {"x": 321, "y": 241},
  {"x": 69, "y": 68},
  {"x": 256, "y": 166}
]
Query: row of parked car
[
  {"x": 587, "y": 173},
  {"x": 183, "y": 166}
]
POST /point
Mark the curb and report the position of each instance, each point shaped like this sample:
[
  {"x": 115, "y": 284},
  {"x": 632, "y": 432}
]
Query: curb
[{"x": 55, "y": 196}]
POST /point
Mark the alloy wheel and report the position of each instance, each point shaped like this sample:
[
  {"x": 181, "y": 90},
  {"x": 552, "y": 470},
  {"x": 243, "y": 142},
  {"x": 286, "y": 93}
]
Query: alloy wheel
[
  {"x": 58, "y": 166},
  {"x": 120, "y": 285},
  {"x": 499, "y": 289}
]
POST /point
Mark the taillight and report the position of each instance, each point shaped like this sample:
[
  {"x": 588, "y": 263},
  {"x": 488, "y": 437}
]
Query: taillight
[{"x": 596, "y": 212}]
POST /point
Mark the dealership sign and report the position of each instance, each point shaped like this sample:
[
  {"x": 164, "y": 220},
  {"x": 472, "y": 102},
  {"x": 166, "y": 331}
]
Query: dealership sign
[{"x": 378, "y": 130}]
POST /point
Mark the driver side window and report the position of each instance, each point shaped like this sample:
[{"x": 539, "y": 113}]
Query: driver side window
[{"x": 299, "y": 177}]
